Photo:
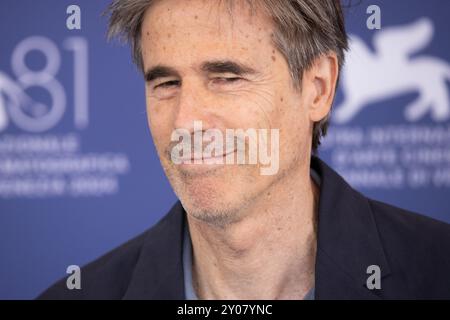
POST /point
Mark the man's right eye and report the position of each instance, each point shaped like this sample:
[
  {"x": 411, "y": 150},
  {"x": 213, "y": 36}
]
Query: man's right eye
[{"x": 168, "y": 84}]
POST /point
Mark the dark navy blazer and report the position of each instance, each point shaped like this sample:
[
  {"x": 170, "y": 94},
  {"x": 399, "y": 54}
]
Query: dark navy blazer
[{"x": 354, "y": 232}]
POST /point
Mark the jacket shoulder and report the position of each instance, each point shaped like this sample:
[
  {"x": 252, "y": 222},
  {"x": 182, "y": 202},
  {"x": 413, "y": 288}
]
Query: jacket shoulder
[
  {"x": 408, "y": 225},
  {"x": 104, "y": 278},
  {"x": 417, "y": 247}
]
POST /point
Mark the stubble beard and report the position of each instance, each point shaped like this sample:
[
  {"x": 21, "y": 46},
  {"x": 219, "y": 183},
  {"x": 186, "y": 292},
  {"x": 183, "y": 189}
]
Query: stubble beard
[{"x": 205, "y": 203}]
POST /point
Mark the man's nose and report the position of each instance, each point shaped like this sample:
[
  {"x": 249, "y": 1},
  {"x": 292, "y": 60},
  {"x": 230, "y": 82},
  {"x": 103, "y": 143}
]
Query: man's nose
[{"x": 194, "y": 104}]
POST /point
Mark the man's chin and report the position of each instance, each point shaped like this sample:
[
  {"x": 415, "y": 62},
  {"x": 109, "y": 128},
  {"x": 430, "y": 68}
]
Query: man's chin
[
  {"x": 210, "y": 203},
  {"x": 211, "y": 193},
  {"x": 212, "y": 214},
  {"x": 203, "y": 198}
]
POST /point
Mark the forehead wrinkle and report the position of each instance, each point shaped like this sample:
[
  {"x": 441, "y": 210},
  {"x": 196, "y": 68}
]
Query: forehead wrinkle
[
  {"x": 227, "y": 40},
  {"x": 247, "y": 12}
]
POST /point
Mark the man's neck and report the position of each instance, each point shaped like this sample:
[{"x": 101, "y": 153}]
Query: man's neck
[{"x": 269, "y": 254}]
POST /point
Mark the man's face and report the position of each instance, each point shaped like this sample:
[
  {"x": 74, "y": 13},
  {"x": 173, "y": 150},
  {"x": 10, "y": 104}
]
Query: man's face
[{"x": 225, "y": 72}]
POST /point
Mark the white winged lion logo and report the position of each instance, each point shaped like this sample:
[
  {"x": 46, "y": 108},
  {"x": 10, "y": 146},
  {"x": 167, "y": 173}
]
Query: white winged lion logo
[{"x": 392, "y": 70}]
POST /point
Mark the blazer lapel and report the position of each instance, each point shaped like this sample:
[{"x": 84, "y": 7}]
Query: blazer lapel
[
  {"x": 158, "y": 274},
  {"x": 348, "y": 240}
]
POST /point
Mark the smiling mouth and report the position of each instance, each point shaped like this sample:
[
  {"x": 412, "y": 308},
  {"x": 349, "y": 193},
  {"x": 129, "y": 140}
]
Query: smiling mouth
[{"x": 200, "y": 160}]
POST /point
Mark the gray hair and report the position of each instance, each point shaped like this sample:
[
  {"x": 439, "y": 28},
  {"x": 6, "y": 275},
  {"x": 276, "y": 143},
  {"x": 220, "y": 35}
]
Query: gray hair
[{"x": 304, "y": 30}]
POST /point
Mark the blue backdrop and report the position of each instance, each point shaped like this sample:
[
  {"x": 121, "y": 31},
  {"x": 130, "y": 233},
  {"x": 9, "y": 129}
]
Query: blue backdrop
[{"x": 79, "y": 174}]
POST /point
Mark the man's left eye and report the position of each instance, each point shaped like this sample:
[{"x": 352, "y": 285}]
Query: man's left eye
[{"x": 223, "y": 80}]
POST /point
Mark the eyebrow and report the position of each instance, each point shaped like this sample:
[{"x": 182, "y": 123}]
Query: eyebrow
[
  {"x": 227, "y": 66},
  {"x": 160, "y": 72},
  {"x": 216, "y": 66}
]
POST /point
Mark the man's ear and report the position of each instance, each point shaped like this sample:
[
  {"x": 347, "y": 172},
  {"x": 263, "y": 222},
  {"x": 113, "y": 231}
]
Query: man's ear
[{"x": 322, "y": 77}]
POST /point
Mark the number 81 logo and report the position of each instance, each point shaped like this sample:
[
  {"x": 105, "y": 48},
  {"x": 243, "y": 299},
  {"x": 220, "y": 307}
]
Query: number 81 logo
[{"x": 18, "y": 107}]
